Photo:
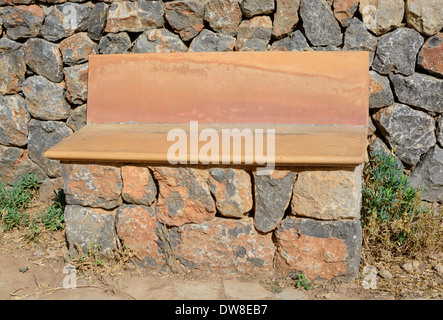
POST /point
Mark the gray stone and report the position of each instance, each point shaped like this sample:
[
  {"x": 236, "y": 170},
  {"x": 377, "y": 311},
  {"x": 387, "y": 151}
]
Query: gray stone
[
  {"x": 89, "y": 226},
  {"x": 380, "y": 93},
  {"x": 295, "y": 42},
  {"x": 223, "y": 16},
  {"x": 42, "y": 136},
  {"x": 272, "y": 197},
  {"x": 428, "y": 175},
  {"x": 321, "y": 27},
  {"x": 44, "y": 58},
  {"x": 344, "y": 11},
  {"x": 377, "y": 146},
  {"x": 97, "y": 21},
  {"x": 440, "y": 130},
  {"x": 77, "y": 118},
  {"x": 208, "y": 41},
  {"x": 426, "y": 16},
  {"x": 419, "y": 90},
  {"x": 232, "y": 191},
  {"x": 158, "y": 40},
  {"x": 22, "y": 21},
  {"x": 185, "y": 17},
  {"x": 397, "y": 51},
  {"x": 25, "y": 166},
  {"x": 14, "y": 119},
  {"x": 409, "y": 132},
  {"x": 254, "y": 34},
  {"x": 76, "y": 78},
  {"x": 48, "y": 189},
  {"x": 253, "y": 8},
  {"x": 8, "y": 157},
  {"x": 114, "y": 43},
  {"x": 285, "y": 17},
  {"x": 12, "y": 66},
  {"x": 45, "y": 99},
  {"x": 319, "y": 249},
  {"x": 65, "y": 19},
  {"x": 136, "y": 16},
  {"x": 329, "y": 194},
  {"x": 358, "y": 38}
]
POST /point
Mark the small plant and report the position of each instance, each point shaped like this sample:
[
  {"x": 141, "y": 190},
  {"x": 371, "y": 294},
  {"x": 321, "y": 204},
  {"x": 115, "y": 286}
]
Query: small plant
[
  {"x": 24, "y": 269},
  {"x": 301, "y": 281},
  {"x": 14, "y": 199},
  {"x": 53, "y": 217},
  {"x": 394, "y": 220},
  {"x": 275, "y": 286}
]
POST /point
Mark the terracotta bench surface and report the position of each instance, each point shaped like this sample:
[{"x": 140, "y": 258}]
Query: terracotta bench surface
[{"x": 317, "y": 102}]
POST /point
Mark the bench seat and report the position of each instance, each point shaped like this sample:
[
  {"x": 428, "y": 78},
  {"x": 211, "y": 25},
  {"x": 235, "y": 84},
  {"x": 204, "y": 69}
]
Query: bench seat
[{"x": 294, "y": 145}]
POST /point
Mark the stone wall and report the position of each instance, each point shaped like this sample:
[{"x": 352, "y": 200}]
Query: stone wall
[
  {"x": 44, "y": 48},
  {"x": 219, "y": 219}
]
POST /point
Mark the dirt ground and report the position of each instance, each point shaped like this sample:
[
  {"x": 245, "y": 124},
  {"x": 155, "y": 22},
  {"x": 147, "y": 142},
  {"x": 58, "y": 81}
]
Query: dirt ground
[{"x": 35, "y": 271}]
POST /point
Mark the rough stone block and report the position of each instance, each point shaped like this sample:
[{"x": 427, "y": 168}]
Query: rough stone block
[
  {"x": 328, "y": 194},
  {"x": 42, "y": 136},
  {"x": 138, "y": 185},
  {"x": 89, "y": 226},
  {"x": 410, "y": 132},
  {"x": 12, "y": 66},
  {"x": 183, "y": 196},
  {"x": 428, "y": 175},
  {"x": 14, "y": 119},
  {"x": 430, "y": 57},
  {"x": 272, "y": 197},
  {"x": 319, "y": 249},
  {"x": 136, "y": 226},
  {"x": 227, "y": 245},
  {"x": 232, "y": 191},
  {"x": 94, "y": 185}
]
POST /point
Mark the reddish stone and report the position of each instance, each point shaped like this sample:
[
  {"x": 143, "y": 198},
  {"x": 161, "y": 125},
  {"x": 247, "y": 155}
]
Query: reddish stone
[
  {"x": 223, "y": 16},
  {"x": 183, "y": 196},
  {"x": 77, "y": 48},
  {"x": 254, "y": 34},
  {"x": 226, "y": 245},
  {"x": 318, "y": 249},
  {"x": 344, "y": 10},
  {"x": 92, "y": 185},
  {"x": 232, "y": 191},
  {"x": 136, "y": 226},
  {"x": 430, "y": 56},
  {"x": 186, "y": 17},
  {"x": 76, "y": 78},
  {"x": 285, "y": 17},
  {"x": 23, "y": 21},
  {"x": 12, "y": 66},
  {"x": 14, "y": 119},
  {"x": 138, "y": 185}
]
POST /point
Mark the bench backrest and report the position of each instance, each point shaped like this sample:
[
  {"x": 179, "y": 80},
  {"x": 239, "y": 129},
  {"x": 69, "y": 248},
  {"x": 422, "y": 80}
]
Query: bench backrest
[{"x": 307, "y": 88}]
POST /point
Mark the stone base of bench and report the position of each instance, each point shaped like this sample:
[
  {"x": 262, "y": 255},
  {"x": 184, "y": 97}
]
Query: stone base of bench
[{"x": 219, "y": 219}]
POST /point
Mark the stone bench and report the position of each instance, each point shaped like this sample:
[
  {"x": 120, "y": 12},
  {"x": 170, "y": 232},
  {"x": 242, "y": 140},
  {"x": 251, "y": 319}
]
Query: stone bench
[{"x": 222, "y": 162}]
